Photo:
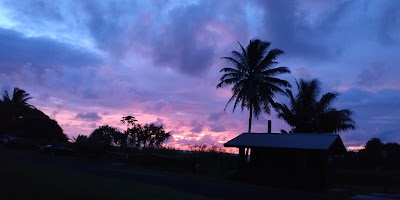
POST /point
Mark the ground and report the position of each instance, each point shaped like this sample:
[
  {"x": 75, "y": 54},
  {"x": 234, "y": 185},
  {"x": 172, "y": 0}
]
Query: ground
[{"x": 27, "y": 174}]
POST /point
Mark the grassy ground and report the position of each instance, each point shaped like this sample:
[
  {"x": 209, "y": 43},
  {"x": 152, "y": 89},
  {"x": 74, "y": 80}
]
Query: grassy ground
[
  {"x": 31, "y": 175},
  {"x": 20, "y": 179},
  {"x": 369, "y": 180}
]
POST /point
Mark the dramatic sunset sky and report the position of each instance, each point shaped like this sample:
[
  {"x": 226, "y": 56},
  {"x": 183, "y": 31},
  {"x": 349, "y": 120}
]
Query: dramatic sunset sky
[{"x": 87, "y": 63}]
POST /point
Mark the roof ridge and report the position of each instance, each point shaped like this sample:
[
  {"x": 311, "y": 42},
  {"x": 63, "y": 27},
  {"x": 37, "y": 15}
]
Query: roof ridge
[{"x": 319, "y": 134}]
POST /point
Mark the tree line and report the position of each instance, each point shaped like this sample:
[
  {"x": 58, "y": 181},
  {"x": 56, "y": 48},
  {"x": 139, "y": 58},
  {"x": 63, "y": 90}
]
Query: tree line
[
  {"x": 136, "y": 136},
  {"x": 375, "y": 155},
  {"x": 21, "y": 119}
]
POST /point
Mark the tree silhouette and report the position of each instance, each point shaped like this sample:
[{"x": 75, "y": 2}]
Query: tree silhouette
[
  {"x": 20, "y": 118},
  {"x": 19, "y": 97},
  {"x": 392, "y": 150},
  {"x": 106, "y": 134},
  {"x": 253, "y": 77},
  {"x": 147, "y": 136},
  {"x": 374, "y": 145},
  {"x": 34, "y": 124},
  {"x": 81, "y": 139},
  {"x": 15, "y": 105},
  {"x": 308, "y": 114},
  {"x": 128, "y": 120},
  {"x": 374, "y": 152}
]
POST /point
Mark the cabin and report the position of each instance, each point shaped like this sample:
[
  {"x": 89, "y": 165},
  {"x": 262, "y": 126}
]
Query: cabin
[{"x": 305, "y": 159}]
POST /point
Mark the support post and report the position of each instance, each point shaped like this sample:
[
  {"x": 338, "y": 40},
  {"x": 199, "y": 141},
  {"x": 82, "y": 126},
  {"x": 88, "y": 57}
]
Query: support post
[{"x": 269, "y": 126}]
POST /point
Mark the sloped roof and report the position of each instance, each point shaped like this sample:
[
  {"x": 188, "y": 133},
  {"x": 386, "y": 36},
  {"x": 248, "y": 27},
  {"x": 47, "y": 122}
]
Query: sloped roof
[{"x": 289, "y": 141}]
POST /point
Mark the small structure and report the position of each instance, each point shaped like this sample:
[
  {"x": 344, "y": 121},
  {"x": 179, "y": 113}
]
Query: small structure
[{"x": 305, "y": 159}]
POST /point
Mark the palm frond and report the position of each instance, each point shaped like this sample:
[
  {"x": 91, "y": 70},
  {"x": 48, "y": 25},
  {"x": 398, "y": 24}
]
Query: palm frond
[
  {"x": 243, "y": 51},
  {"x": 236, "y": 63},
  {"x": 326, "y": 100},
  {"x": 275, "y": 71},
  {"x": 268, "y": 60},
  {"x": 6, "y": 97},
  {"x": 307, "y": 113},
  {"x": 277, "y": 82}
]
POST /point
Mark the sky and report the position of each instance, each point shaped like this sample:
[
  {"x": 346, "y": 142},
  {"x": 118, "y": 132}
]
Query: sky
[{"x": 89, "y": 63}]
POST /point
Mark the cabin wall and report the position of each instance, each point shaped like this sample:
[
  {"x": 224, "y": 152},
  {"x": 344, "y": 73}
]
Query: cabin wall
[{"x": 291, "y": 164}]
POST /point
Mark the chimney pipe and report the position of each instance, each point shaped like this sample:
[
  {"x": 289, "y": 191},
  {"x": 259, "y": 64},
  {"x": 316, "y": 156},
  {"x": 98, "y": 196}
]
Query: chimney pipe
[{"x": 269, "y": 126}]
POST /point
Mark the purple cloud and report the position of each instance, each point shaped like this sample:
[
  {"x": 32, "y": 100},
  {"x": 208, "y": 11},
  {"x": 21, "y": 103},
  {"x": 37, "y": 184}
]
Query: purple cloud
[
  {"x": 217, "y": 128},
  {"x": 197, "y": 127},
  {"x": 216, "y": 116},
  {"x": 18, "y": 50},
  {"x": 378, "y": 75},
  {"x": 88, "y": 116}
]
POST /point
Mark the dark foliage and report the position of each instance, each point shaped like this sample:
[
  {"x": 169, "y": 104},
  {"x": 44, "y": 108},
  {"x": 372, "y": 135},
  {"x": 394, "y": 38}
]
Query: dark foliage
[
  {"x": 108, "y": 139},
  {"x": 147, "y": 136},
  {"x": 24, "y": 120},
  {"x": 307, "y": 113},
  {"x": 106, "y": 134},
  {"x": 375, "y": 155},
  {"x": 128, "y": 120}
]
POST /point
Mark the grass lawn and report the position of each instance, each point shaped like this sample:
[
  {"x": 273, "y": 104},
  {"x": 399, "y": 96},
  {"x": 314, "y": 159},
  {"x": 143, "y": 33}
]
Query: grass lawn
[
  {"x": 26, "y": 180},
  {"x": 29, "y": 175},
  {"x": 369, "y": 180}
]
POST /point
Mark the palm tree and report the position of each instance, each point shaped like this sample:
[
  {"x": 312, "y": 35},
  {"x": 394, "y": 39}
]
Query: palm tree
[
  {"x": 14, "y": 108},
  {"x": 19, "y": 97},
  {"x": 308, "y": 114},
  {"x": 253, "y": 77},
  {"x": 17, "y": 105}
]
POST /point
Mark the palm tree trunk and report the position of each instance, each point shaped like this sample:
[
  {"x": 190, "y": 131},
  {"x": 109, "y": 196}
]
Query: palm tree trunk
[
  {"x": 251, "y": 114},
  {"x": 250, "y": 117}
]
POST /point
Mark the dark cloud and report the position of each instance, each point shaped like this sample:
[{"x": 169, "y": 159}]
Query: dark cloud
[
  {"x": 57, "y": 111},
  {"x": 197, "y": 126},
  {"x": 290, "y": 32},
  {"x": 91, "y": 116},
  {"x": 390, "y": 27},
  {"x": 359, "y": 97},
  {"x": 372, "y": 76},
  {"x": 92, "y": 125},
  {"x": 109, "y": 23},
  {"x": 156, "y": 106},
  {"x": 215, "y": 116},
  {"x": 323, "y": 31},
  {"x": 216, "y": 122},
  {"x": 376, "y": 114},
  {"x": 378, "y": 75},
  {"x": 217, "y": 128},
  {"x": 182, "y": 38},
  {"x": 179, "y": 46},
  {"x": 17, "y": 49},
  {"x": 159, "y": 122},
  {"x": 89, "y": 93}
]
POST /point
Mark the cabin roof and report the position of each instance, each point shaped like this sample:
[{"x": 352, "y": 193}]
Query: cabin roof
[{"x": 289, "y": 141}]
